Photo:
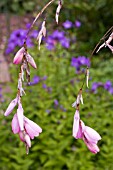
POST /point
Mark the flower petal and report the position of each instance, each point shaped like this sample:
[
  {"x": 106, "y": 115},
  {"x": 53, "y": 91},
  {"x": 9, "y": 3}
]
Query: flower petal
[
  {"x": 30, "y": 131},
  {"x": 91, "y": 135},
  {"x": 20, "y": 117},
  {"x": 80, "y": 132},
  {"x": 76, "y": 124},
  {"x": 33, "y": 125},
  {"x": 11, "y": 107},
  {"x": 21, "y": 135},
  {"x": 92, "y": 146},
  {"x": 15, "y": 124},
  {"x": 28, "y": 141}
]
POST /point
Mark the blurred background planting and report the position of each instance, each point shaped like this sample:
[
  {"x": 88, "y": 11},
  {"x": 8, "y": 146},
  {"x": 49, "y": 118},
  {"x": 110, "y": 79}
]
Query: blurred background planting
[{"x": 64, "y": 55}]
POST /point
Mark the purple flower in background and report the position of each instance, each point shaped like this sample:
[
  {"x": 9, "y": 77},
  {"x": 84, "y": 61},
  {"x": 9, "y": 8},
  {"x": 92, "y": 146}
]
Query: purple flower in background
[
  {"x": 34, "y": 34},
  {"x": 56, "y": 102},
  {"x": 108, "y": 85},
  {"x": 58, "y": 35},
  {"x": 28, "y": 25},
  {"x": 55, "y": 37},
  {"x": 17, "y": 38},
  {"x": 67, "y": 24},
  {"x": 44, "y": 78},
  {"x": 1, "y": 93},
  {"x": 44, "y": 86},
  {"x": 50, "y": 43},
  {"x": 48, "y": 111},
  {"x": 35, "y": 80},
  {"x": 62, "y": 108},
  {"x": 94, "y": 86},
  {"x": 80, "y": 61},
  {"x": 65, "y": 42},
  {"x": 49, "y": 89},
  {"x": 77, "y": 23},
  {"x": 111, "y": 90}
]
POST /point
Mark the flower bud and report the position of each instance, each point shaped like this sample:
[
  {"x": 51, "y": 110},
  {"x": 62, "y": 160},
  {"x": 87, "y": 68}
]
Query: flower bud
[{"x": 19, "y": 56}]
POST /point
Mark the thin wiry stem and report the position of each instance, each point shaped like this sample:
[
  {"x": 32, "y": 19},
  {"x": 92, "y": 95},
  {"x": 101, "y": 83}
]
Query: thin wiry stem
[
  {"x": 36, "y": 18},
  {"x": 102, "y": 39}
]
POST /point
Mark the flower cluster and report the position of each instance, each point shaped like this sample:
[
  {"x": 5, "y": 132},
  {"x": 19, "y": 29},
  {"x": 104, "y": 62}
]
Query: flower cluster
[
  {"x": 80, "y": 61},
  {"x": 57, "y": 37},
  {"x": 87, "y": 134},
  {"x": 21, "y": 125},
  {"x": 17, "y": 38},
  {"x": 107, "y": 86},
  {"x": 80, "y": 131},
  {"x": 68, "y": 24}
]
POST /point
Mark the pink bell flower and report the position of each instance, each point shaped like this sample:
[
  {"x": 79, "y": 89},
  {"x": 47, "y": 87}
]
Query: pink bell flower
[
  {"x": 30, "y": 127},
  {"x": 11, "y": 106},
  {"x": 87, "y": 134},
  {"x": 19, "y": 56},
  {"x": 30, "y": 130}
]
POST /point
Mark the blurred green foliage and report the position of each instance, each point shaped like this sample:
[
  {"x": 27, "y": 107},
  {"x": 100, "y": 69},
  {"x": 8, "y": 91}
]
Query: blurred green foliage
[{"x": 55, "y": 148}]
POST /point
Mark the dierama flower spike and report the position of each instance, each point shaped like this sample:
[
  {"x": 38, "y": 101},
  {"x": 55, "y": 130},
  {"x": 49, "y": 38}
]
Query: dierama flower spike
[
  {"x": 19, "y": 56},
  {"x": 58, "y": 10}
]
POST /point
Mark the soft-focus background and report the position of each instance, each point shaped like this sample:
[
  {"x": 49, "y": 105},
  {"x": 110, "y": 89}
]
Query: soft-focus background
[{"x": 54, "y": 86}]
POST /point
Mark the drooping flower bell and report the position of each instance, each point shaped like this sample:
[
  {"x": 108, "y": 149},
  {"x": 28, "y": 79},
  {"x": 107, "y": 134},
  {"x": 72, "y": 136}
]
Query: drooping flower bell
[
  {"x": 87, "y": 134},
  {"x": 31, "y": 130}
]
